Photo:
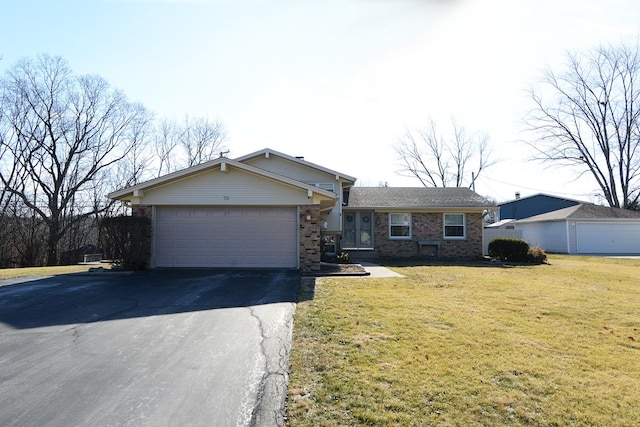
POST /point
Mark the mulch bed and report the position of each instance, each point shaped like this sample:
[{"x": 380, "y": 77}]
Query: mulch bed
[{"x": 331, "y": 269}]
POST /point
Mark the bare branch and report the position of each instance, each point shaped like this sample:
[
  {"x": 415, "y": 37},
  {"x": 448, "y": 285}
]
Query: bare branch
[
  {"x": 456, "y": 160},
  {"x": 587, "y": 118}
]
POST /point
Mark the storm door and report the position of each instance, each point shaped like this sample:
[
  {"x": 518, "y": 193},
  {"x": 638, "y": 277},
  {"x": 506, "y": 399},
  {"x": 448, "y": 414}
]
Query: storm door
[{"x": 357, "y": 230}]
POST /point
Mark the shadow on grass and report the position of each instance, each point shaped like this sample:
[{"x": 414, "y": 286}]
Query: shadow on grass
[
  {"x": 306, "y": 289},
  {"x": 434, "y": 262}
]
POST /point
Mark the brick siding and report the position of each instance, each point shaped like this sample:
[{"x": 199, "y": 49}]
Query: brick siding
[
  {"x": 429, "y": 226},
  {"x": 309, "y": 237}
]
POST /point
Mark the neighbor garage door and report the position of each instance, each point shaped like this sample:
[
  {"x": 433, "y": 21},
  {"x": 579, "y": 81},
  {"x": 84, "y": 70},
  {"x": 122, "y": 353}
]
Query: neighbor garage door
[
  {"x": 225, "y": 237},
  {"x": 608, "y": 238}
]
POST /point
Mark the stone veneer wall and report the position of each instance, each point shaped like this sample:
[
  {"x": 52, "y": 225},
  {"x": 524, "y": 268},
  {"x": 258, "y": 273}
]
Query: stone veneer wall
[
  {"x": 429, "y": 226},
  {"x": 309, "y": 237}
]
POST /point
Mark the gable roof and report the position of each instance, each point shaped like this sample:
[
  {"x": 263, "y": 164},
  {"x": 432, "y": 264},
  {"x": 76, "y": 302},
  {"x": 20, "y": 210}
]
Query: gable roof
[
  {"x": 538, "y": 196},
  {"x": 300, "y": 160},
  {"x": 584, "y": 211},
  {"x": 213, "y": 164},
  {"x": 415, "y": 198},
  {"x": 537, "y": 204}
]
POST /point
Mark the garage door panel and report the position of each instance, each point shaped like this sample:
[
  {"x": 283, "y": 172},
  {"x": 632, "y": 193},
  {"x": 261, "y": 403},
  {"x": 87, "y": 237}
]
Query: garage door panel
[
  {"x": 611, "y": 238},
  {"x": 225, "y": 237}
]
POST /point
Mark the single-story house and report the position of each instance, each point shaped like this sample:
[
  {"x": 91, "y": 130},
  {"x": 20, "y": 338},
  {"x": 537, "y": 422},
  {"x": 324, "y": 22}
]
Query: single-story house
[
  {"x": 269, "y": 209},
  {"x": 584, "y": 229},
  {"x": 537, "y": 204}
]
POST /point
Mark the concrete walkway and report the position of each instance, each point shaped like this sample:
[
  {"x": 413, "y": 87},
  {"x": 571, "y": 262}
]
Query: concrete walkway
[{"x": 376, "y": 270}]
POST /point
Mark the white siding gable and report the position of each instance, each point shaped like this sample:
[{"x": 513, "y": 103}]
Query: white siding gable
[
  {"x": 234, "y": 187},
  {"x": 294, "y": 170},
  {"x": 309, "y": 174}
]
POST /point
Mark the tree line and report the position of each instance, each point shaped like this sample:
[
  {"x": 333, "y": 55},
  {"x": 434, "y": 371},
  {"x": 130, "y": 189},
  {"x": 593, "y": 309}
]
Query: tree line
[{"x": 66, "y": 141}]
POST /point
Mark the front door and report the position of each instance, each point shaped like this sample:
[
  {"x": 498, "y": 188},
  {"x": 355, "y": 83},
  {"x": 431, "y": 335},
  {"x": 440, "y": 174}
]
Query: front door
[{"x": 357, "y": 230}]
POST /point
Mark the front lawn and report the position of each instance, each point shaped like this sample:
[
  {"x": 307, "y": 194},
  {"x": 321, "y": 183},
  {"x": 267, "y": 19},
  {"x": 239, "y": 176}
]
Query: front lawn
[{"x": 470, "y": 345}]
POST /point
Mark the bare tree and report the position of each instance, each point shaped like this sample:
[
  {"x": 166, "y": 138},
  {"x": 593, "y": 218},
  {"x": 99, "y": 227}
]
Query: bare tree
[
  {"x": 62, "y": 131},
  {"x": 201, "y": 139},
  {"x": 453, "y": 160},
  {"x": 165, "y": 146},
  {"x": 191, "y": 142},
  {"x": 588, "y": 117},
  {"x": 135, "y": 165}
]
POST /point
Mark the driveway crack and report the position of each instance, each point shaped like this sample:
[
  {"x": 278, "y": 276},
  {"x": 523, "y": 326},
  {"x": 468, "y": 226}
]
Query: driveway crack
[{"x": 275, "y": 348}]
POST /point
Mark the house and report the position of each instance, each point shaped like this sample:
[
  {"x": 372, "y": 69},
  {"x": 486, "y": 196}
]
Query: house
[
  {"x": 525, "y": 207},
  {"x": 520, "y": 208},
  {"x": 584, "y": 229},
  {"x": 269, "y": 209}
]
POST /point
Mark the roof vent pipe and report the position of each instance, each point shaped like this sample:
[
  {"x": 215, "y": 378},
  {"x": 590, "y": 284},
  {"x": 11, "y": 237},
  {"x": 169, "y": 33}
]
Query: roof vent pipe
[{"x": 517, "y": 195}]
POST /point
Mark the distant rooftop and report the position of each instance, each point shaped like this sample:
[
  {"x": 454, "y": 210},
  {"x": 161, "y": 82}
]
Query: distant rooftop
[{"x": 584, "y": 211}]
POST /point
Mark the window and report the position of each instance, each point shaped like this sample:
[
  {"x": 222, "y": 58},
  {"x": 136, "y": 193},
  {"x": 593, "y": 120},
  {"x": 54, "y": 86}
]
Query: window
[
  {"x": 454, "y": 226},
  {"x": 400, "y": 226},
  {"x": 326, "y": 186},
  {"x": 329, "y": 244}
]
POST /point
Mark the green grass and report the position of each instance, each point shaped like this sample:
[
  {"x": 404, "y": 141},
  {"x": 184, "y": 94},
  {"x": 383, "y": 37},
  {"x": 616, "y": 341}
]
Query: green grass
[
  {"x": 12, "y": 273},
  {"x": 469, "y": 345}
]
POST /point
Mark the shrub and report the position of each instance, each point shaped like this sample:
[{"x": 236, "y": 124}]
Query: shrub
[
  {"x": 343, "y": 258},
  {"x": 536, "y": 255},
  {"x": 126, "y": 240},
  {"x": 515, "y": 250}
]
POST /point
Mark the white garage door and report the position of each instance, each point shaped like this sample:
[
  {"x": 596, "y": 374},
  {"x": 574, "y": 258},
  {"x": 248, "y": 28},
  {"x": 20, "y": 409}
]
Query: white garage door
[
  {"x": 609, "y": 238},
  {"x": 225, "y": 237}
]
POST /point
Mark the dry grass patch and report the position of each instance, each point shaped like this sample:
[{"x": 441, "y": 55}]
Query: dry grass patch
[
  {"x": 12, "y": 273},
  {"x": 469, "y": 345}
]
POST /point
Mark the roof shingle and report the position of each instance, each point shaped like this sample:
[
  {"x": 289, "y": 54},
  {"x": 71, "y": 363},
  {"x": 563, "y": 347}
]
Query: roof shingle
[
  {"x": 415, "y": 198},
  {"x": 584, "y": 211}
]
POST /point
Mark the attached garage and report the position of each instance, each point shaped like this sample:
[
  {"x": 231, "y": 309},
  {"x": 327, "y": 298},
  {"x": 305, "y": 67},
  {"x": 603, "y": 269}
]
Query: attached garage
[
  {"x": 224, "y": 213},
  {"x": 199, "y": 236}
]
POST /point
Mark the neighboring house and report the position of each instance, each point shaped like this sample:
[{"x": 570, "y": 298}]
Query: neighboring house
[
  {"x": 269, "y": 209},
  {"x": 584, "y": 229},
  {"x": 529, "y": 206}
]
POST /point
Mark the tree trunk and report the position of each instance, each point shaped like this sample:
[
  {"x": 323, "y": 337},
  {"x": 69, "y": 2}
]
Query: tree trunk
[{"x": 52, "y": 244}]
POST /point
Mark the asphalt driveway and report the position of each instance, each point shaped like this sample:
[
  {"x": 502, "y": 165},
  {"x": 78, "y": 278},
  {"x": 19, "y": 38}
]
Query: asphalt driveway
[{"x": 156, "y": 348}]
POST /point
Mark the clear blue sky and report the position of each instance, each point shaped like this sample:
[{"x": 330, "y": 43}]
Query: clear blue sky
[{"x": 336, "y": 81}]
